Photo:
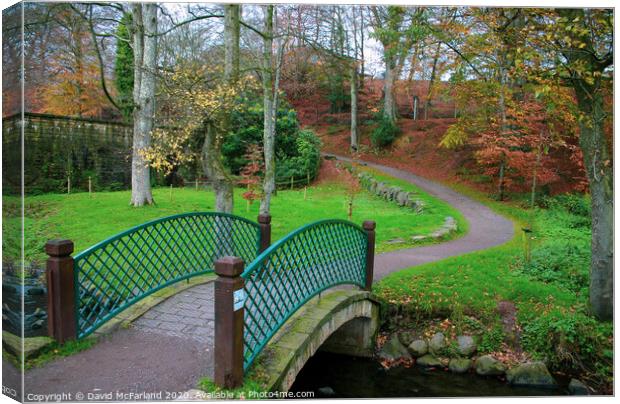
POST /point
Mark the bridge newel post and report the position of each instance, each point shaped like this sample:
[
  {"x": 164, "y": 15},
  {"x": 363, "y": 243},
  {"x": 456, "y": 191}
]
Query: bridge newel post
[
  {"x": 264, "y": 221},
  {"x": 229, "y": 312},
  {"x": 61, "y": 300},
  {"x": 369, "y": 228}
]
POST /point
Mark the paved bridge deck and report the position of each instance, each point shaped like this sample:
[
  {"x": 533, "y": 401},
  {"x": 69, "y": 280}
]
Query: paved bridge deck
[{"x": 188, "y": 314}]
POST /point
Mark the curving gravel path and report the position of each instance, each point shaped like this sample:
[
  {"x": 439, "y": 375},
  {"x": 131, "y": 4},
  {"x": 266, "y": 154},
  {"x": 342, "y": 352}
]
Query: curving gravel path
[{"x": 486, "y": 228}]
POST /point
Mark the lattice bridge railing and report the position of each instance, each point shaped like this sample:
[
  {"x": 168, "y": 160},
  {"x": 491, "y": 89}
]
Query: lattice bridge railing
[
  {"x": 117, "y": 272},
  {"x": 295, "y": 269}
]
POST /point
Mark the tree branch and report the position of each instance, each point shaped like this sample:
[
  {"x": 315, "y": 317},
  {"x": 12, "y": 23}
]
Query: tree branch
[{"x": 91, "y": 28}]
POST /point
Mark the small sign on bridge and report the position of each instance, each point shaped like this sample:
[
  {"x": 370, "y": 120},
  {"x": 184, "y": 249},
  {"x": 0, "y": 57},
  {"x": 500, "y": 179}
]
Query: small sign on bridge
[{"x": 239, "y": 297}]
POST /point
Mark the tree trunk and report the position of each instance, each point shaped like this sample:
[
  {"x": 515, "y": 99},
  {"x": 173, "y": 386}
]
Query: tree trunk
[
  {"x": 501, "y": 105},
  {"x": 599, "y": 169},
  {"x": 389, "y": 107},
  {"x": 362, "y": 61},
  {"x": 215, "y": 171},
  {"x": 431, "y": 82},
  {"x": 353, "y": 80},
  {"x": 145, "y": 51},
  {"x": 232, "y": 14},
  {"x": 269, "y": 113},
  {"x": 413, "y": 63},
  {"x": 222, "y": 186},
  {"x": 500, "y": 185},
  {"x": 212, "y": 148}
]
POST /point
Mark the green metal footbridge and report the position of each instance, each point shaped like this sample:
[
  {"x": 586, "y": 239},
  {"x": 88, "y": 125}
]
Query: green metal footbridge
[{"x": 259, "y": 289}]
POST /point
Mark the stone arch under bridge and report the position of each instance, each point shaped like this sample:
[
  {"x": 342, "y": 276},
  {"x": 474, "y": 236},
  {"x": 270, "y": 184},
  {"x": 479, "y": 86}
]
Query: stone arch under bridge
[{"x": 341, "y": 321}]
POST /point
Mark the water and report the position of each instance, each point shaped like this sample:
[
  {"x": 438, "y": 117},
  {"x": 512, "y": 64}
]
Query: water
[
  {"x": 35, "y": 303},
  {"x": 350, "y": 377}
]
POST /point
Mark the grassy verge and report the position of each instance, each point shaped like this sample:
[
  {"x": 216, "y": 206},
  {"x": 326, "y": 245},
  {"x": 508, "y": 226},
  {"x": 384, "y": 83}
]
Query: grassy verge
[
  {"x": 250, "y": 390},
  {"x": 549, "y": 291}
]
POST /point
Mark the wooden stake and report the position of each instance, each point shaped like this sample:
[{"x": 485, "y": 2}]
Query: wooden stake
[
  {"x": 196, "y": 184},
  {"x": 68, "y": 185},
  {"x": 90, "y": 188}
]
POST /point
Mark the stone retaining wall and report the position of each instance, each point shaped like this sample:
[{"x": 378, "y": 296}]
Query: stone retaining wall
[{"x": 58, "y": 147}]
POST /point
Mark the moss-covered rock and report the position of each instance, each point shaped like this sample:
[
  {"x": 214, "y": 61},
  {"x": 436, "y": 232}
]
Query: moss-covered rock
[
  {"x": 32, "y": 346},
  {"x": 428, "y": 361},
  {"x": 530, "y": 374},
  {"x": 489, "y": 366},
  {"x": 394, "y": 350},
  {"x": 437, "y": 344},
  {"x": 418, "y": 348},
  {"x": 459, "y": 365},
  {"x": 466, "y": 345},
  {"x": 406, "y": 337}
]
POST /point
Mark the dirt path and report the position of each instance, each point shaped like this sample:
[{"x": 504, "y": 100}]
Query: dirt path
[{"x": 486, "y": 228}]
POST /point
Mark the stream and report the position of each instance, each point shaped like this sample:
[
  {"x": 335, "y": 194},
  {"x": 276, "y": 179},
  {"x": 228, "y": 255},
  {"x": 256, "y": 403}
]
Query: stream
[{"x": 339, "y": 376}]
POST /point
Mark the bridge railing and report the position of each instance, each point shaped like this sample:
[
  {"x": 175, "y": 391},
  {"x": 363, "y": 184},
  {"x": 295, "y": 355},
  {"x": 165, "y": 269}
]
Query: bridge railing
[
  {"x": 97, "y": 284},
  {"x": 251, "y": 305}
]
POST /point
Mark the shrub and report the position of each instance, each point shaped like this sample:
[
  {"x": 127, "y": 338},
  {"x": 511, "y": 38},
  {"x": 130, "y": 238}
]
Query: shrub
[
  {"x": 385, "y": 133},
  {"x": 567, "y": 338},
  {"x": 305, "y": 161},
  {"x": 247, "y": 128},
  {"x": 563, "y": 262},
  {"x": 575, "y": 210}
]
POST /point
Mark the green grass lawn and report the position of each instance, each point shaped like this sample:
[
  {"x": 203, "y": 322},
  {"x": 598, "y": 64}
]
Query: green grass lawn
[
  {"x": 549, "y": 292},
  {"x": 87, "y": 220}
]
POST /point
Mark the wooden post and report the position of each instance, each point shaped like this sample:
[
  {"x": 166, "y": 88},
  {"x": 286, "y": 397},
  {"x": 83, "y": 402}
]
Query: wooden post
[
  {"x": 90, "y": 187},
  {"x": 68, "y": 185},
  {"x": 61, "y": 321},
  {"x": 264, "y": 221},
  {"x": 196, "y": 184},
  {"x": 369, "y": 228},
  {"x": 229, "y": 298}
]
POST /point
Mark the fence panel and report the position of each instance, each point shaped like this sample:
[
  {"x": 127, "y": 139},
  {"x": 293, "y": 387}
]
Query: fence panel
[
  {"x": 292, "y": 271},
  {"x": 116, "y": 273}
]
